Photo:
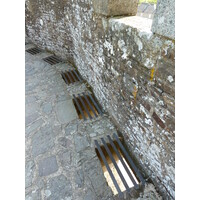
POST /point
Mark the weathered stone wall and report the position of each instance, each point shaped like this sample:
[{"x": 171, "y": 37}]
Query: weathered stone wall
[{"x": 130, "y": 69}]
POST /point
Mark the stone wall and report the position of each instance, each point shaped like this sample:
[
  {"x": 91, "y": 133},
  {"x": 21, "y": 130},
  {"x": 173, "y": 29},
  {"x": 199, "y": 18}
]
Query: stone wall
[{"x": 130, "y": 68}]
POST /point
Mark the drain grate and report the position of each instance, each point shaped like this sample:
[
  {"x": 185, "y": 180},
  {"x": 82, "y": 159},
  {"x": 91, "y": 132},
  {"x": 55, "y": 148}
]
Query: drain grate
[
  {"x": 119, "y": 169},
  {"x": 52, "y": 60},
  {"x": 71, "y": 76},
  {"x": 33, "y": 51},
  {"x": 86, "y": 106}
]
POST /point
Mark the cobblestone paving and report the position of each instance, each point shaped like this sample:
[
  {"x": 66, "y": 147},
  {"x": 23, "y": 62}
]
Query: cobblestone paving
[{"x": 61, "y": 163}]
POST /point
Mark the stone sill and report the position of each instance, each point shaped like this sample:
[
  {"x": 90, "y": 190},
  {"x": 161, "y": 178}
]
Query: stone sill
[{"x": 136, "y": 22}]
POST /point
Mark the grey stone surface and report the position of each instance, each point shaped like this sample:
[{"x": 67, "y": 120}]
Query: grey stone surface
[
  {"x": 29, "y": 170},
  {"x": 66, "y": 111},
  {"x": 31, "y": 118},
  {"x": 115, "y": 7},
  {"x": 164, "y": 18},
  {"x": 48, "y": 166},
  {"x": 66, "y": 159},
  {"x": 33, "y": 195},
  {"x": 42, "y": 142},
  {"x": 70, "y": 129},
  {"x": 79, "y": 178},
  {"x": 65, "y": 142},
  {"x": 34, "y": 126},
  {"x": 58, "y": 188},
  {"x": 81, "y": 142},
  {"x": 89, "y": 195},
  {"x": 47, "y": 108}
]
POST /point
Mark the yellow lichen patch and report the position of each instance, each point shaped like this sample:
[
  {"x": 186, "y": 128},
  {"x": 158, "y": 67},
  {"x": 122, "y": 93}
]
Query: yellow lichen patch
[
  {"x": 152, "y": 73},
  {"x": 135, "y": 91}
]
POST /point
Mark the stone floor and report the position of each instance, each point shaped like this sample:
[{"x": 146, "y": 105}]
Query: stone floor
[{"x": 61, "y": 163}]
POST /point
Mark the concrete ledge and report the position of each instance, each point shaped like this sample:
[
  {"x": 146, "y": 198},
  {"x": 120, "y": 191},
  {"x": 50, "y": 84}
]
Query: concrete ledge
[{"x": 136, "y": 22}]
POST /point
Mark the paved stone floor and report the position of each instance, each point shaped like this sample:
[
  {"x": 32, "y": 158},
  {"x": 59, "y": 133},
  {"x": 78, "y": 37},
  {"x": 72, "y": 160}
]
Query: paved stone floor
[{"x": 61, "y": 163}]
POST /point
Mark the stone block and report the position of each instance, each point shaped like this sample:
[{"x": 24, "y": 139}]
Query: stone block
[
  {"x": 81, "y": 143},
  {"x": 29, "y": 170},
  {"x": 164, "y": 19},
  {"x": 66, "y": 159},
  {"x": 42, "y": 141},
  {"x": 35, "y": 194},
  {"x": 58, "y": 188},
  {"x": 115, "y": 7},
  {"x": 65, "y": 111},
  {"x": 48, "y": 166}
]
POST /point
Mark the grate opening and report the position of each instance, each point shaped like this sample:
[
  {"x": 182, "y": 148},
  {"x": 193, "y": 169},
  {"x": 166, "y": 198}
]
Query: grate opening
[
  {"x": 86, "y": 106},
  {"x": 71, "y": 76},
  {"x": 118, "y": 168},
  {"x": 52, "y": 60},
  {"x": 33, "y": 51}
]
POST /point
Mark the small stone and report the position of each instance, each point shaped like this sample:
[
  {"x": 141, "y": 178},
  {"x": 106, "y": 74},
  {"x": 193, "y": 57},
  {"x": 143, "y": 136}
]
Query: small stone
[
  {"x": 89, "y": 195},
  {"x": 79, "y": 178},
  {"x": 42, "y": 141},
  {"x": 66, "y": 159},
  {"x": 34, "y": 126},
  {"x": 60, "y": 188},
  {"x": 47, "y": 193},
  {"x": 31, "y": 118},
  {"x": 29, "y": 170},
  {"x": 48, "y": 166},
  {"x": 47, "y": 108},
  {"x": 65, "y": 142},
  {"x": 71, "y": 129},
  {"x": 35, "y": 194},
  {"x": 81, "y": 143},
  {"x": 93, "y": 135}
]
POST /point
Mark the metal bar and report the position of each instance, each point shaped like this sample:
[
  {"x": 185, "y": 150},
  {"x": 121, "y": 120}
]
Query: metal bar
[
  {"x": 77, "y": 75},
  {"x": 130, "y": 160},
  {"x": 48, "y": 61},
  {"x": 31, "y": 51},
  {"x": 65, "y": 79},
  {"x": 35, "y": 50},
  {"x": 115, "y": 164},
  {"x": 38, "y": 50},
  {"x": 51, "y": 60},
  {"x": 79, "y": 107},
  {"x": 96, "y": 106},
  {"x": 91, "y": 107},
  {"x": 123, "y": 163},
  {"x": 55, "y": 58},
  {"x": 86, "y": 109},
  {"x": 108, "y": 168},
  {"x": 75, "y": 79},
  {"x": 69, "y": 77}
]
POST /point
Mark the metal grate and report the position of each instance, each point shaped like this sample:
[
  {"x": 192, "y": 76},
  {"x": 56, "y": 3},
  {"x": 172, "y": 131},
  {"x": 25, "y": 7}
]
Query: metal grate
[
  {"x": 71, "y": 76},
  {"x": 52, "y": 60},
  {"x": 33, "y": 51},
  {"x": 122, "y": 174},
  {"x": 86, "y": 106}
]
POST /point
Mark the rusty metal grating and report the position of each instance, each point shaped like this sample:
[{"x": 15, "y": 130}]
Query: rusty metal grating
[
  {"x": 52, "y": 60},
  {"x": 86, "y": 106},
  {"x": 71, "y": 76},
  {"x": 120, "y": 171},
  {"x": 33, "y": 51}
]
